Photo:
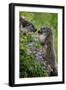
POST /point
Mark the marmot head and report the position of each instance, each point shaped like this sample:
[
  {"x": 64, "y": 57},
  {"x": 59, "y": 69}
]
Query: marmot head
[
  {"x": 45, "y": 35},
  {"x": 26, "y": 26}
]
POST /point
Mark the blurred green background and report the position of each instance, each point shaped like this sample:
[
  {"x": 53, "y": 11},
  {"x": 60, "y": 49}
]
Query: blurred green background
[{"x": 38, "y": 20}]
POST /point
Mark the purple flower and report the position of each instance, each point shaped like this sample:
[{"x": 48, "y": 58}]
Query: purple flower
[{"x": 38, "y": 56}]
